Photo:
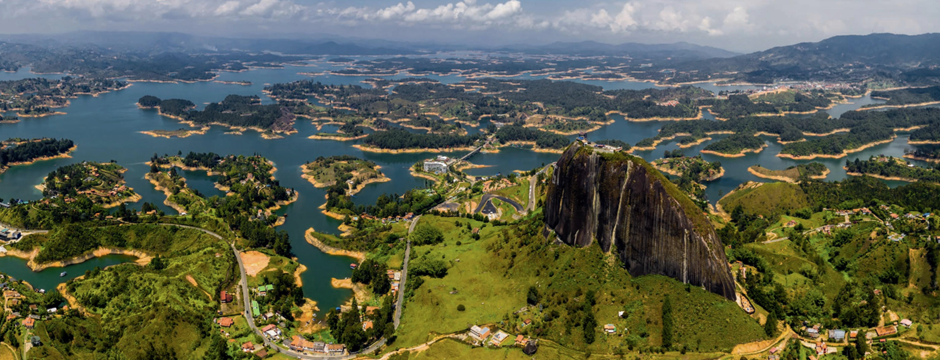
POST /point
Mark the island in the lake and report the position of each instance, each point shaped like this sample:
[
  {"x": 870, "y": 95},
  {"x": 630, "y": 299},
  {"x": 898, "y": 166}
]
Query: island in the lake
[{"x": 792, "y": 174}]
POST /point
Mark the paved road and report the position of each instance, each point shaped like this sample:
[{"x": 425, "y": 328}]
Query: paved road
[
  {"x": 487, "y": 197},
  {"x": 532, "y": 182},
  {"x": 25, "y": 232},
  {"x": 404, "y": 275}
]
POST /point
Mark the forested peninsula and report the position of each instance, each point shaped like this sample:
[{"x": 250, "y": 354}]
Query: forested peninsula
[
  {"x": 235, "y": 111},
  {"x": 808, "y": 137},
  {"x": 25, "y": 152},
  {"x": 891, "y": 168}
]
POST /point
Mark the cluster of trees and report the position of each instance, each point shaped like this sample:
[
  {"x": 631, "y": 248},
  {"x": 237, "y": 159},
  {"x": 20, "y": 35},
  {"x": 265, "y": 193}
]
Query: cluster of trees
[
  {"x": 930, "y": 133},
  {"x": 864, "y": 125},
  {"x": 70, "y": 179},
  {"x": 908, "y": 96},
  {"x": 542, "y": 139},
  {"x": 397, "y": 139},
  {"x": 866, "y": 191},
  {"x": 413, "y": 201},
  {"x": 736, "y": 143},
  {"x": 614, "y": 143},
  {"x": 71, "y": 240},
  {"x": 738, "y": 106},
  {"x": 374, "y": 274},
  {"x": 234, "y": 110},
  {"x": 346, "y": 327},
  {"x": 284, "y": 295},
  {"x": 893, "y": 167},
  {"x": 34, "y": 149},
  {"x": 839, "y": 143}
]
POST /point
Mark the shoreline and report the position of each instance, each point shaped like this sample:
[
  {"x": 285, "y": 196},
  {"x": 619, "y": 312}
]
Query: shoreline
[
  {"x": 142, "y": 257},
  {"x": 534, "y": 148},
  {"x": 845, "y": 152},
  {"x": 329, "y": 250},
  {"x": 742, "y": 153},
  {"x": 423, "y": 176},
  {"x": 696, "y": 142},
  {"x": 912, "y": 157},
  {"x": 65, "y": 155},
  {"x": 669, "y": 171},
  {"x": 784, "y": 178},
  {"x": 373, "y": 149},
  {"x": 337, "y": 137},
  {"x": 888, "y": 178},
  {"x": 166, "y": 133},
  {"x": 922, "y": 142},
  {"x": 900, "y": 106},
  {"x": 156, "y": 186},
  {"x": 54, "y": 113}
]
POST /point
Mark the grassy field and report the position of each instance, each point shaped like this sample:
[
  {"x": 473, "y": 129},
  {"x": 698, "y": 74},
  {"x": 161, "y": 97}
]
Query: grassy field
[
  {"x": 491, "y": 278},
  {"x": 6, "y": 353},
  {"x": 767, "y": 200},
  {"x": 518, "y": 192}
]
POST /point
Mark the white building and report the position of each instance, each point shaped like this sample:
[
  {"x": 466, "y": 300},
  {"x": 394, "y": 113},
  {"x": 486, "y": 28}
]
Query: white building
[{"x": 435, "y": 167}]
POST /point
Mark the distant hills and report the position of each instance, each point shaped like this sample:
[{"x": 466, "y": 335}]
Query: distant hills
[
  {"x": 680, "y": 50},
  {"x": 903, "y": 58},
  {"x": 180, "y": 42}
]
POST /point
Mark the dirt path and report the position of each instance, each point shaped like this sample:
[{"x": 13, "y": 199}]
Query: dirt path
[
  {"x": 193, "y": 281},
  {"x": 418, "y": 348},
  {"x": 758, "y": 347}
]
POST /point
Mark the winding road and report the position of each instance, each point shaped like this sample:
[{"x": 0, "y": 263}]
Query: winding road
[
  {"x": 532, "y": 181},
  {"x": 486, "y": 198}
]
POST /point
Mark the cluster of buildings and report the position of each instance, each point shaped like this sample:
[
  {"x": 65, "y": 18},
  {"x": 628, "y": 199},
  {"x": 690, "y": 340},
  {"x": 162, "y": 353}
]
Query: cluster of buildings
[
  {"x": 841, "y": 336},
  {"x": 9, "y": 235},
  {"x": 438, "y": 165},
  {"x": 484, "y": 336},
  {"x": 299, "y": 344},
  {"x": 386, "y": 220}
]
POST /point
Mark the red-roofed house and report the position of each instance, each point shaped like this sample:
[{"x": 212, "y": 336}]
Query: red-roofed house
[
  {"x": 226, "y": 322},
  {"x": 225, "y": 297}
]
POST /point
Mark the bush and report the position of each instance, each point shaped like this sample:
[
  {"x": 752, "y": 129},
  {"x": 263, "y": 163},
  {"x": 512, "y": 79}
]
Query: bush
[
  {"x": 461, "y": 307},
  {"x": 426, "y": 235}
]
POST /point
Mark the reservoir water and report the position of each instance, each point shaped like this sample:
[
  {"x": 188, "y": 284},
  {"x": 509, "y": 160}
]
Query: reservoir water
[{"x": 108, "y": 128}]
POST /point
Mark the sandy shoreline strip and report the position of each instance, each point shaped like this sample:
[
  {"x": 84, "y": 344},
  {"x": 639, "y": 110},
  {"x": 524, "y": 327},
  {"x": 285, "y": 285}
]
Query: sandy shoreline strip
[
  {"x": 312, "y": 240},
  {"x": 844, "y": 153}
]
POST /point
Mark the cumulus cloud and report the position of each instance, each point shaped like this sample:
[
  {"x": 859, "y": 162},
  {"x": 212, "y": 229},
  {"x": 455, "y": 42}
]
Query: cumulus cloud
[
  {"x": 464, "y": 13},
  {"x": 737, "y": 19},
  {"x": 622, "y": 22},
  {"x": 605, "y": 20},
  {"x": 227, "y": 8}
]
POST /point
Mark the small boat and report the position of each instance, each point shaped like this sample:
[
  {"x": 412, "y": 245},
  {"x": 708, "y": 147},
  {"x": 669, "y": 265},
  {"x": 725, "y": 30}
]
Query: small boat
[
  {"x": 63, "y": 274},
  {"x": 352, "y": 266}
]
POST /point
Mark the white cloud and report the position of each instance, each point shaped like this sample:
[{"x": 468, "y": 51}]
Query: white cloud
[
  {"x": 622, "y": 22},
  {"x": 227, "y": 8},
  {"x": 464, "y": 13},
  {"x": 737, "y": 19}
]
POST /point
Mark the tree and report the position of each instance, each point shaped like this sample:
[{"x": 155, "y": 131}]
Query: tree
[
  {"x": 533, "y": 296},
  {"x": 589, "y": 325},
  {"x": 770, "y": 327},
  {"x": 667, "y": 323},
  {"x": 861, "y": 347}
]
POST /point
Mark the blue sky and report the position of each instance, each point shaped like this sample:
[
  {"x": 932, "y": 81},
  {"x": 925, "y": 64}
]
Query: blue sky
[{"x": 730, "y": 24}]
